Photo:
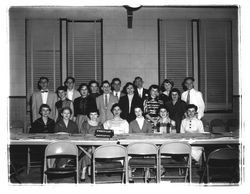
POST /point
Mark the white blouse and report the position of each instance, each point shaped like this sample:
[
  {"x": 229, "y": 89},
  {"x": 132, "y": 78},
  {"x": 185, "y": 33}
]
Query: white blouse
[
  {"x": 192, "y": 125},
  {"x": 119, "y": 126}
]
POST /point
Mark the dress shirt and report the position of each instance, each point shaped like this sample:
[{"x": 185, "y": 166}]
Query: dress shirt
[
  {"x": 118, "y": 126},
  {"x": 191, "y": 125},
  {"x": 140, "y": 91},
  {"x": 196, "y": 99},
  {"x": 130, "y": 98},
  {"x": 70, "y": 94},
  {"x": 118, "y": 94},
  {"x": 108, "y": 95},
  {"x": 44, "y": 96},
  {"x": 140, "y": 122}
]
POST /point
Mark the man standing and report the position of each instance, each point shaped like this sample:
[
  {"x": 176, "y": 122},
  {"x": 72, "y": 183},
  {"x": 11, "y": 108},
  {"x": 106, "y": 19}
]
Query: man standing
[
  {"x": 116, "y": 88},
  {"x": 105, "y": 102},
  {"x": 72, "y": 93},
  {"x": 192, "y": 96},
  {"x": 140, "y": 91},
  {"x": 44, "y": 96}
]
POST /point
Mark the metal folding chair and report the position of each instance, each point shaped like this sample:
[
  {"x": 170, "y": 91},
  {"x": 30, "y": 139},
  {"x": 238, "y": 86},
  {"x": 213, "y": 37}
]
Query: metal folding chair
[
  {"x": 222, "y": 163},
  {"x": 217, "y": 126},
  {"x": 110, "y": 159},
  {"x": 176, "y": 155},
  {"x": 144, "y": 156},
  {"x": 60, "y": 150}
]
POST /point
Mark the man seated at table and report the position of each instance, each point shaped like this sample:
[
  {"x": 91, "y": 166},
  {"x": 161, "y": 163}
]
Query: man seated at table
[
  {"x": 44, "y": 124},
  {"x": 192, "y": 124},
  {"x": 140, "y": 124}
]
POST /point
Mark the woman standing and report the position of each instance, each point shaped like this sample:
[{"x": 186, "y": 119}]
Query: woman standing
[
  {"x": 82, "y": 105},
  {"x": 129, "y": 102},
  {"x": 166, "y": 87}
]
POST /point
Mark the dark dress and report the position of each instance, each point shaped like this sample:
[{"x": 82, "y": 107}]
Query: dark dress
[
  {"x": 124, "y": 104},
  {"x": 61, "y": 127},
  {"x": 83, "y": 105},
  {"x": 176, "y": 112},
  {"x": 40, "y": 127},
  {"x": 165, "y": 98},
  {"x": 89, "y": 129}
]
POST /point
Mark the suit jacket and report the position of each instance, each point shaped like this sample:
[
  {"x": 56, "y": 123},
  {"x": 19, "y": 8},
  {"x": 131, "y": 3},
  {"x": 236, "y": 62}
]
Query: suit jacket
[
  {"x": 105, "y": 114},
  {"x": 76, "y": 94},
  {"x": 196, "y": 99},
  {"x": 124, "y": 104},
  {"x": 134, "y": 127},
  {"x": 145, "y": 94},
  {"x": 61, "y": 127},
  {"x": 37, "y": 102}
]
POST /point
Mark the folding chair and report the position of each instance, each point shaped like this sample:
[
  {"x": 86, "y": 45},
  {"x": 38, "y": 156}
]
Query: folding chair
[
  {"x": 233, "y": 126},
  {"x": 110, "y": 159},
  {"x": 176, "y": 155},
  {"x": 144, "y": 156},
  {"x": 222, "y": 163},
  {"x": 217, "y": 126},
  {"x": 60, "y": 150}
]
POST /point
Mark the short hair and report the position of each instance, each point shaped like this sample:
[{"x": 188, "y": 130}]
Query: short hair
[
  {"x": 105, "y": 82},
  {"x": 40, "y": 79},
  {"x": 161, "y": 107},
  {"x": 64, "y": 88},
  {"x": 139, "y": 106},
  {"x": 137, "y": 77},
  {"x": 115, "y": 105},
  {"x": 166, "y": 81},
  {"x": 82, "y": 85},
  {"x": 44, "y": 106},
  {"x": 66, "y": 108},
  {"x": 175, "y": 90},
  {"x": 184, "y": 81},
  {"x": 189, "y": 106},
  {"x": 115, "y": 79},
  {"x": 124, "y": 90},
  {"x": 153, "y": 86},
  {"x": 69, "y": 77},
  {"x": 92, "y": 111},
  {"x": 92, "y": 82}
]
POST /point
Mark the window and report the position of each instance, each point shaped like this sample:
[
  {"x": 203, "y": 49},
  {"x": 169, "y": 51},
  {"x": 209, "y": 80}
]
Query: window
[
  {"x": 175, "y": 50},
  {"x": 214, "y": 67},
  {"x": 78, "y": 54},
  {"x": 84, "y": 51},
  {"x": 42, "y": 54},
  {"x": 216, "y": 64}
]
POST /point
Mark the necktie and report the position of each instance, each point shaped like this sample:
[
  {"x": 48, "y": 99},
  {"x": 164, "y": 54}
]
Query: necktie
[
  {"x": 188, "y": 97},
  {"x": 116, "y": 94},
  {"x": 106, "y": 101}
]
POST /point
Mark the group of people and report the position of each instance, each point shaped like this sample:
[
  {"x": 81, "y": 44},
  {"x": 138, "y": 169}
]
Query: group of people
[{"x": 133, "y": 109}]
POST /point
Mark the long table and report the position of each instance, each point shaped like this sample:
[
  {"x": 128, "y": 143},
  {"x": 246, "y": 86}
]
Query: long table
[{"x": 125, "y": 139}]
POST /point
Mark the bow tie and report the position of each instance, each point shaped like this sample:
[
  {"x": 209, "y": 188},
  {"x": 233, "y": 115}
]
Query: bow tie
[{"x": 42, "y": 91}]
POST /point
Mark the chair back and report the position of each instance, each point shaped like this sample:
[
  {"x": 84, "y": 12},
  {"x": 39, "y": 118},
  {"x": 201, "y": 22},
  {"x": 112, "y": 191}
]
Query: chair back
[
  {"x": 224, "y": 154},
  {"x": 61, "y": 148},
  {"x": 141, "y": 148},
  {"x": 175, "y": 148},
  {"x": 110, "y": 151},
  {"x": 217, "y": 126},
  {"x": 232, "y": 124}
]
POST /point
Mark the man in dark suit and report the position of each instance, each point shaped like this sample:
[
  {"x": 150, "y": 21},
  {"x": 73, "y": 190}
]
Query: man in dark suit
[
  {"x": 140, "y": 91},
  {"x": 44, "y": 96},
  {"x": 116, "y": 88}
]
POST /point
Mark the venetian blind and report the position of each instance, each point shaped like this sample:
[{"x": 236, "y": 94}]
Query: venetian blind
[
  {"x": 42, "y": 54},
  {"x": 175, "y": 50},
  {"x": 216, "y": 64},
  {"x": 84, "y": 58}
]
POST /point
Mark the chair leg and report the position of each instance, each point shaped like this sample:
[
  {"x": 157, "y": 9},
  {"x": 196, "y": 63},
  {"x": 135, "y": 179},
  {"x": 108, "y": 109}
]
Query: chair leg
[
  {"x": 208, "y": 174},
  {"x": 28, "y": 161}
]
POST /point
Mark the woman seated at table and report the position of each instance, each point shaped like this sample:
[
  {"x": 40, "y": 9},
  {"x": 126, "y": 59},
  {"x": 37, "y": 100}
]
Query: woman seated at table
[
  {"x": 140, "y": 124},
  {"x": 44, "y": 124},
  {"x": 164, "y": 123},
  {"x": 65, "y": 124},
  {"x": 192, "y": 124},
  {"x": 117, "y": 124},
  {"x": 89, "y": 127}
]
